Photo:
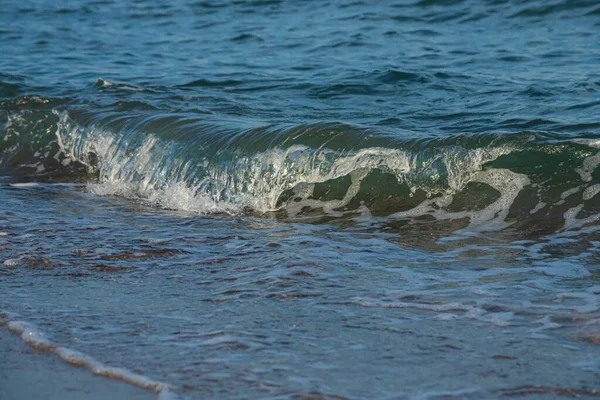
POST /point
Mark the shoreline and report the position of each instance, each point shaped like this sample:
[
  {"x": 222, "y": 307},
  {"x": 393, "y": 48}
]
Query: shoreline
[{"x": 29, "y": 373}]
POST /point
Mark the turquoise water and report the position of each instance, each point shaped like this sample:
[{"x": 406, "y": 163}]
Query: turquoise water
[{"x": 276, "y": 199}]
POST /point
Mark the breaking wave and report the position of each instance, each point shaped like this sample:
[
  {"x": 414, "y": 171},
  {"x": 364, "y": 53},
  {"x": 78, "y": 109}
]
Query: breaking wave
[{"x": 329, "y": 169}]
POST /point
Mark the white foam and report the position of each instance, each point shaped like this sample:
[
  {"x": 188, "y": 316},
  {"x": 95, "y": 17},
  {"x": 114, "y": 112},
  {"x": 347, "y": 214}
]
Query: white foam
[
  {"x": 588, "y": 167},
  {"x": 569, "y": 192},
  {"x": 30, "y": 335},
  {"x": 441, "y": 308},
  {"x": 11, "y": 262},
  {"x": 24, "y": 185},
  {"x": 566, "y": 194},
  {"x": 571, "y": 215},
  {"x": 591, "y": 191},
  {"x": 328, "y": 207},
  {"x": 492, "y": 217},
  {"x": 154, "y": 174},
  {"x": 107, "y": 84},
  {"x": 588, "y": 142},
  {"x": 36, "y": 338},
  {"x": 537, "y": 207},
  {"x": 177, "y": 196},
  {"x": 571, "y": 220}
]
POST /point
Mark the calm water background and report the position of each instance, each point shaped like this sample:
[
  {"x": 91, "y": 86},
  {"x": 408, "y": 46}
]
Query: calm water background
[{"x": 301, "y": 199}]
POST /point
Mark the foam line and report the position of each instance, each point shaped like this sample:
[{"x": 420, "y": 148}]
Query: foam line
[{"x": 37, "y": 339}]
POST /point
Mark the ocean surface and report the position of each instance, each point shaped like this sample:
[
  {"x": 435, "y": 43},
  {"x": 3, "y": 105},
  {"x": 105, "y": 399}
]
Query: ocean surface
[{"x": 305, "y": 199}]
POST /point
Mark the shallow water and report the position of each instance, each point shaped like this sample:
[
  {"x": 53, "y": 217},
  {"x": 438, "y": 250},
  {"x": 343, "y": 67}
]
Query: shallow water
[
  {"x": 276, "y": 199},
  {"x": 253, "y": 307}
]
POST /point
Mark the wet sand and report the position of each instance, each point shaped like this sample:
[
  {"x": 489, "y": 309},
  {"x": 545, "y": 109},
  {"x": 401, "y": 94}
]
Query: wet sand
[{"x": 27, "y": 373}]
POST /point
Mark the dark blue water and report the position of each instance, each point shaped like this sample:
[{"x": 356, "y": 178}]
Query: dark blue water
[{"x": 301, "y": 199}]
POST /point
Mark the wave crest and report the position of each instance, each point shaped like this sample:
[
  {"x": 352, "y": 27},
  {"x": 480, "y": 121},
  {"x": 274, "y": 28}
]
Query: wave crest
[
  {"x": 533, "y": 181},
  {"x": 196, "y": 177}
]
